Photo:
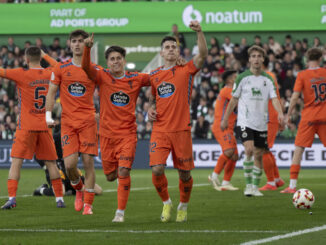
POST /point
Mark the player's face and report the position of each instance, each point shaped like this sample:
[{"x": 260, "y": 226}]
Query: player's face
[
  {"x": 77, "y": 45},
  {"x": 256, "y": 60},
  {"x": 116, "y": 62},
  {"x": 170, "y": 51}
]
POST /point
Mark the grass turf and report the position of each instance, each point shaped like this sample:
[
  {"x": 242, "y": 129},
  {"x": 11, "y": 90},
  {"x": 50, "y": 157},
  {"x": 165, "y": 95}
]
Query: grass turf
[{"x": 226, "y": 217}]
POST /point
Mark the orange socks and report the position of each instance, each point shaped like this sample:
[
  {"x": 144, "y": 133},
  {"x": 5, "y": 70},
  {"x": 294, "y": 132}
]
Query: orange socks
[
  {"x": 268, "y": 165},
  {"x": 78, "y": 186},
  {"x": 220, "y": 163},
  {"x": 123, "y": 192},
  {"x": 161, "y": 185},
  {"x": 229, "y": 169},
  {"x": 294, "y": 171},
  {"x": 57, "y": 187},
  {"x": 12, "y": 187},
  {"x": 185, "y": 190},
  {"x": 276, "y": 172},
  {"x": 89, "y": 197}
]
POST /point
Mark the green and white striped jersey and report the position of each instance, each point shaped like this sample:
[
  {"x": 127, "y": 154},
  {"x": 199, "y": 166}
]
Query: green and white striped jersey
[{"x": 253, "y": 93}]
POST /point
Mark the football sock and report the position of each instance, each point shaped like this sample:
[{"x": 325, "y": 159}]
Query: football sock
[
  {"x": 268, "y": 166},
  {"x": 276, "y": 172},
  {"x": 229, "y": 169},
  {"x": 214, "y": 175},
  {"x": 247, "y": 166},
  {"x": 123, "y": 192},
  {"x": 168, "y": 201},
  {"x": 12, "y": 186},
  {"x": 294, "y": 171},
  {"x": 257, "y": 172},
  {"x": 182, "y": 206},
  {"x": 77, "y": 185},
  {"x": 293, "y": 183},
  {"x": 271, "y": 183},
  {"x": 89, "y": 196},
  {"x": 185, "y": 190},
  {"x": 220, "y": 163},
  {"x": 161, "y": 186},
  {"x": 57, "y": 188},
  {"x": 225, "y": 182}
]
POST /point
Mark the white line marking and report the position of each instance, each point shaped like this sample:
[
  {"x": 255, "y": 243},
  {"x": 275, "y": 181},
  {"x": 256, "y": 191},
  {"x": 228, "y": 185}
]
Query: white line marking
[
  {"x": 134, "y": 231},
  {"x": 292, "y": 234},
  {"x": 115, "y": 190}
]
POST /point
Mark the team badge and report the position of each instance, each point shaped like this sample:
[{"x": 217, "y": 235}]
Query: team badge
[
  {"x": 165, "y": 89},
  {"x": 120, "y": 99},
  {"x": 76, "y": 89}
]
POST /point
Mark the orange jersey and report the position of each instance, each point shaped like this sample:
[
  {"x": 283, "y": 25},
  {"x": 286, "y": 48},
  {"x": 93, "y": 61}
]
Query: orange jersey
[
  {"x": 172, "y": 90},
  {"x": 118, "y": 98},
  {"x": 312, "y": 83},
  {"x": 32, "y": 87},
  {"x": 272, "y": 113},
  {"x": 76, "y": 94},
  {"x": 221, "y": 104}
]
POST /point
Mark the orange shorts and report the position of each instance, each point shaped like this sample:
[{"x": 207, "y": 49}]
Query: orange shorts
[
  {"x": 82, "y": 140},
  {"x": 26, "y": 143},
  {"x": 306, "y": 133},
  {"x": 180, "y": 143},
  {"x": 117, "y": 152},
  {"x": 225, "y": 138},
  {"x": 271, "y": 133}
]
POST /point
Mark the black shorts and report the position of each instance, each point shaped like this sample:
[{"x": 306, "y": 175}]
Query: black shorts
[{"x": 259, "y": 137}]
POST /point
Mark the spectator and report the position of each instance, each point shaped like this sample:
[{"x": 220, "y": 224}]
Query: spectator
[
  {"x": 187, "y": 54},
  {"x": 257, "y": 41},
  {"x": 181, "y": 41},
  {"x": 201, "y": 127},
  {"x": 227, "y": 45},
  {"x": 11, "y": 45},
  {"x": 55, "y": 46},
  {"x": 273, "y": 45}
]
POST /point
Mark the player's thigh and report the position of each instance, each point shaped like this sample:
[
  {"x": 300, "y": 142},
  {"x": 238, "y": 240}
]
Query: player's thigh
[
  {"x": 182, "y": 150},
  {"x": 159, "y": 148},
  {"x": 108, "y": 154},
  {"x": 127, "y": 151},
  {"x": 271, "y": 134},
  {"x": 24, "y": 144},
  {"x": 305, "y": 134},
  {"x": 226, "y": 139},
  {"x": 260, "y": 139},
  {"x": 45, "y": 149},
  {"x": 88, "y": 140},
  {"x": 69, "y": 141},
  {"x": 321, "y": 131},
  {"x": 245, "y": 133}
]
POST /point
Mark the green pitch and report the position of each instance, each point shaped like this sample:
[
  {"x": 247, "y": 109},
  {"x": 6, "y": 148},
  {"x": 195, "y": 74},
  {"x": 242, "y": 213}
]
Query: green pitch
[{"x": 213, "y": 217}]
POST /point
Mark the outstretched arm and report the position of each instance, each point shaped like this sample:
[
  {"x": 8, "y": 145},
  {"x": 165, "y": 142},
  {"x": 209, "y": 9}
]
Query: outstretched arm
[
  {"x": 86, "y": 61},
  {"x": 199, "y": 59},
  {"x": 48, "y": 59},
  {"x": 49, "y": 104}
]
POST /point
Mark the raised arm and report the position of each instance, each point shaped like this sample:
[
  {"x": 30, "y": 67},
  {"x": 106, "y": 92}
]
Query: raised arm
[
  {"x": 48, "y": 59},
  {"x": 86, "y": 61},
  {"x": 232, "y": 104},
  {"x": 49, "y": 104},
  {"x": 199, "y": 59}
]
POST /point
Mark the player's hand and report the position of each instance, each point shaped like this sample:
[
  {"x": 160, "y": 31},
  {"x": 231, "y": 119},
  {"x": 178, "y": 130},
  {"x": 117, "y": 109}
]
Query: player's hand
[
  {"x": 224, "y": 125},
  {"x": 42, "y": 53},
  {"x": 97, "y": 117},
  {"x": 49, "y": 120},
  {"x": 89, "y": 41},
  {"x": 152, "y": 114},
  {"x": 281, "y": 120},
  {"x": 181, "y": 61},
  {"x": 195, "y": 26}
]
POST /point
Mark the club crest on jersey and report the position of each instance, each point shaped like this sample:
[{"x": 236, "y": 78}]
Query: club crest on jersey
[
  {"x": 76, "y": 89},
  {"x": 120, "y": 99},
  {"x": 165, "y": 89}
]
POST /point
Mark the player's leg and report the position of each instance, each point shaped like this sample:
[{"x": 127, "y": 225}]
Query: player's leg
[
  {"x": 229, "y": 169},
  {"x": 127, "y": 151},
  {"x": 160, "y": 148},
  {"x": 304, "y": 138}
]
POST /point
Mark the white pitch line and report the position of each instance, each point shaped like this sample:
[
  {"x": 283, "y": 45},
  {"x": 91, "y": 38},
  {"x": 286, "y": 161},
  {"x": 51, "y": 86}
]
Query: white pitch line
[
  {"x": 134, "y": 231},
  {"x": 115, "y": 190},
  {"x": 292, "y": 234}
]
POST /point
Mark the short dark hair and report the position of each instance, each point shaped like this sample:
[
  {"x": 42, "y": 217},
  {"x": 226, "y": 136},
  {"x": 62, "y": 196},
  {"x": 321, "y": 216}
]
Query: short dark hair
[
  {"x": 77, "y": 33},
  {"x": 227, "y": 74},
  {"x": 33, "y": 53},
  {"x": 118, "y": 49},
  {"x": 168, "y": 38},
  {"x": 266, "y": 62},
  {"x": 314, "y": 54}
]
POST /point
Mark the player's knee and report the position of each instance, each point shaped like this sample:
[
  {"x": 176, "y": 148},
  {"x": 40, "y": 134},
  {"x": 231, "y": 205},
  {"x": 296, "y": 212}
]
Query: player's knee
[
  {"x": 124, "y": 172},
  {"x": 111, "y": 176},
  {"x": 229, "y": 153},
  {"x": 184, "y": 175},
  {"x": 158, "y": 170}
]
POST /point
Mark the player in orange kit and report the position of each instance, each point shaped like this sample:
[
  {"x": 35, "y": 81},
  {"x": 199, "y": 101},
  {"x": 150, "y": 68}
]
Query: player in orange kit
[
  {"x": 312, "y": 84},
  {"x": 78, "y": 125},
  {"x": 171, "y": 95},
  {"x": 119, "y": 91},
  {"x": 226, "y": 139},
  {"x": 32, "y": 134},
  {"x": 269, "y": 162}
]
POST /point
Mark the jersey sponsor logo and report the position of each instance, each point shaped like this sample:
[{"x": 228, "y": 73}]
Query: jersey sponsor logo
[
  {"x": 256, "y": 92},
  {"x": 165, "y": 90},
  {"x": 120, "y": 99},
  {"x": 76, "y": 89}
]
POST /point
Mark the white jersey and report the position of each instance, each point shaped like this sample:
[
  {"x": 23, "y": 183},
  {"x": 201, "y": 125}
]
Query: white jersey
[{"x": 253, "y": 93}]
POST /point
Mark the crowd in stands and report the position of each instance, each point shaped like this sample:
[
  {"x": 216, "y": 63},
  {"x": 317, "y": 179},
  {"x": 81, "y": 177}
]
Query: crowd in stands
[{"x": 286, "y": 60}]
